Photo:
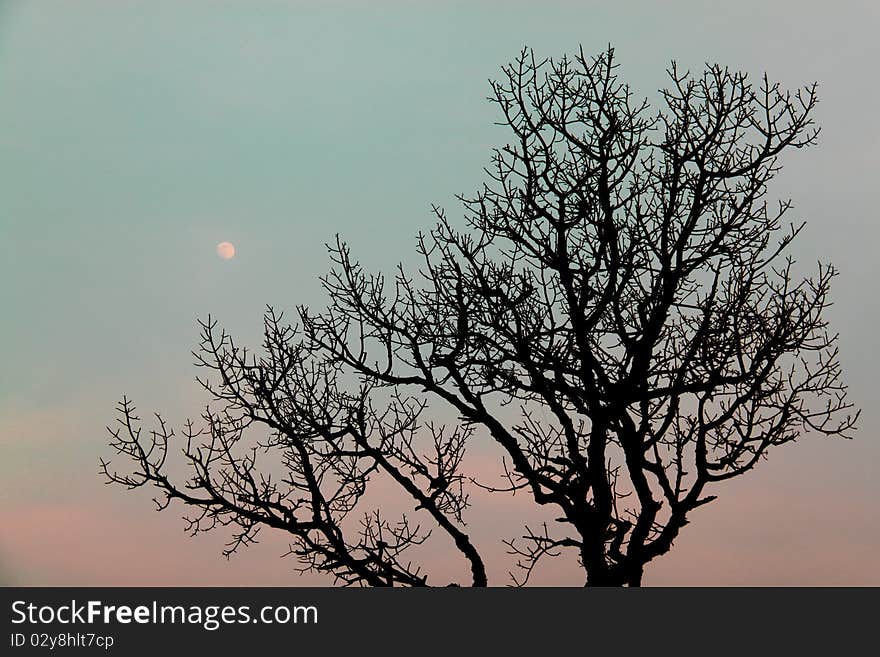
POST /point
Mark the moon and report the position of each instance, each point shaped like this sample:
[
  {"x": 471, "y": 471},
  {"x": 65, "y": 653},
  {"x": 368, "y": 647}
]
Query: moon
[{"x": 226, "y": 250}]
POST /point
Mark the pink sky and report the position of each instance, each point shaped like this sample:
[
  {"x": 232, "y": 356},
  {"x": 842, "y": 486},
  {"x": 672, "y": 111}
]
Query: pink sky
[{"x": 802, "y": 518}]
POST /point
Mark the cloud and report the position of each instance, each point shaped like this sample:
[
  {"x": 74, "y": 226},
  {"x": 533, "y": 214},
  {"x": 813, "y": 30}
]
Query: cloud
[{"x": 113, "y": 545}]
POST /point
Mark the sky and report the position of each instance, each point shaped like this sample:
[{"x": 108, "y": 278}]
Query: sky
[{"x": 135, "y": 136}]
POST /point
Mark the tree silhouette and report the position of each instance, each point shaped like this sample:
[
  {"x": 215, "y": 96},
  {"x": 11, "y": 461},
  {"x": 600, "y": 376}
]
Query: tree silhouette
[{"x": 620, "y": 315}]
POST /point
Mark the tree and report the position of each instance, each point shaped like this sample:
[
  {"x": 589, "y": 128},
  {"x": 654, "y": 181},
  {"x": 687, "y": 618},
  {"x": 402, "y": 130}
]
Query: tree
[{"x": 620, "y": 315}]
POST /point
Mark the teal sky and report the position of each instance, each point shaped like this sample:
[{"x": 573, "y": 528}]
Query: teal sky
[{"x": 135, "y": 136}]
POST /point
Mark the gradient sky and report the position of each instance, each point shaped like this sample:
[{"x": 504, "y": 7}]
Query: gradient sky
[{"x": 135, "y": 136}]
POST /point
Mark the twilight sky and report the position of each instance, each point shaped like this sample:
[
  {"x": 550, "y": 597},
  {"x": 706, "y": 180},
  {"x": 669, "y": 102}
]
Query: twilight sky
[{"x": 136, "y": 136}]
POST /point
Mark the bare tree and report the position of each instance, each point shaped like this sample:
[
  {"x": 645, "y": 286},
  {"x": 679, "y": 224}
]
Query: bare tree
[{"x": 620, "y": 315}]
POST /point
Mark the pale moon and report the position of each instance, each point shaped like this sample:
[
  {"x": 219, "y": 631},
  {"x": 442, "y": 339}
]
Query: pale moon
[{"x": 226, "y": 250}]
